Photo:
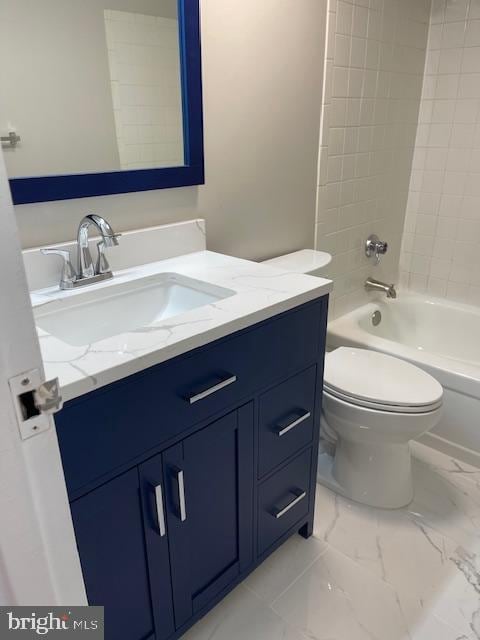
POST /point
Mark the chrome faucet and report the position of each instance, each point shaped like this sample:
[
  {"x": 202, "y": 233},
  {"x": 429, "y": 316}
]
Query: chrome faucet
[
  {"x": 374, "y": 247},
  {"x": 375, "y": 285},
  {"x": 109, "y": 239},
  {"x": 87, "y": 273}
]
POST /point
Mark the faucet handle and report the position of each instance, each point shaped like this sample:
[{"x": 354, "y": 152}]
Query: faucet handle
[
  {"x": 375, "y": 247},
  {"x": 102, "y": 265},
  {"x": 68, "y": 272}
]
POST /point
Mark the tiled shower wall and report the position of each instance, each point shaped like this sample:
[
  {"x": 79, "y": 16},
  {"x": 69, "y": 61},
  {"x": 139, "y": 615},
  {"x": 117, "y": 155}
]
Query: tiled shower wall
[
  {"x": 373, "y": 81},
  {"x": 441, "y": 245},
  {"x": 144, "y": 63}
]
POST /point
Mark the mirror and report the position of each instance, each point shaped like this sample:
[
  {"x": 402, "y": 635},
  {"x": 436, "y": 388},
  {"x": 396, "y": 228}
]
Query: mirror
[{"x": 97, "y": 96}]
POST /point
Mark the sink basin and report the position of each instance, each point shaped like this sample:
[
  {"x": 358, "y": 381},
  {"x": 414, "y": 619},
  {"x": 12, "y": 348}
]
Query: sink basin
[{"x": 90, "y": 316}]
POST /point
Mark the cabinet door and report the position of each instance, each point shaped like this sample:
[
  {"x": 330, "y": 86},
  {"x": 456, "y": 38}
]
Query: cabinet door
[
  {"x": 110, "y": 538},
  {"x": 209, "y": 487},
  {"x": 156, "y": 538}
]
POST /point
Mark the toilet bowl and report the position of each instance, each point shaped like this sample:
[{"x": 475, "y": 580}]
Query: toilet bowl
[
  {"x": 373, "y": 405},
  {"x": 376, "y": 404}
]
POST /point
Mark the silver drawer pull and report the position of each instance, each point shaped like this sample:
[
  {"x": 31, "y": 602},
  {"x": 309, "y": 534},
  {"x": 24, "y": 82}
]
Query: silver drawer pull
[
  {"x": 210, "y": 390},
  {"x": 181, "y": 494},
  {"x": 160, "y": 513},
  {"x": 291, "y": 425},
  {"x": 300, "y": 495}
]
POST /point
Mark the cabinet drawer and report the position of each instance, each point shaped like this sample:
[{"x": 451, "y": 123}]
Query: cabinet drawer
[
  {"x": 109, "y": 427},
  {"x": 286, "y": 420},
  {"x": 283, "y": 500}
]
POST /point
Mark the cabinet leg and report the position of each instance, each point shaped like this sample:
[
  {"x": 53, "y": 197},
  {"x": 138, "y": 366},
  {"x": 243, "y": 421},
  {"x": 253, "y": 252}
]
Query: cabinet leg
[{"x": 307, "y": 529}]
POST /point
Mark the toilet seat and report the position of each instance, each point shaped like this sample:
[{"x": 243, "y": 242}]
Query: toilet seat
[
  {"x": 378, "y": 406},
  {"x": 378, "y": 381}
]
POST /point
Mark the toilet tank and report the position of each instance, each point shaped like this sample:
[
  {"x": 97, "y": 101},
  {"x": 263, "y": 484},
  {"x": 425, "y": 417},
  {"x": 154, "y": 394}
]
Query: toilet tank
[{"x": 304, "y": 261}]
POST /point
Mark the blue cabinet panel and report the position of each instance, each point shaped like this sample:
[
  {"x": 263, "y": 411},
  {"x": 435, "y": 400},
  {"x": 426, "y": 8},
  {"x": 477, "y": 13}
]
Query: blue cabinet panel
[
  {"x": 286, "y": 420},
  {"x": 156, "y": 538},
  {"x": 109, "y": 531},
  {"x": 283, "y": 500},
  {"x": 211, "y": 540},
  {"x": 143, "y": 411}
]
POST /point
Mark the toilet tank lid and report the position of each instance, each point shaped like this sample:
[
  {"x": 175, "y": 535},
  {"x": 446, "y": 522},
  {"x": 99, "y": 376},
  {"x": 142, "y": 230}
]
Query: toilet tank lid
[
  {"x": 304, "y": 261},
  {"x": 381, "y": 378}
]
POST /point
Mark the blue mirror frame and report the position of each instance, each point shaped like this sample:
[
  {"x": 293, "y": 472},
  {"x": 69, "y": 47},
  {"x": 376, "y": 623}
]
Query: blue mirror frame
[{"x": 81, "y": 185}]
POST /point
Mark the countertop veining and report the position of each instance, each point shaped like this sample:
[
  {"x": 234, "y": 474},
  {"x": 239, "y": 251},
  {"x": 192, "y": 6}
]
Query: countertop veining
[{"x": 261, "y": 292}]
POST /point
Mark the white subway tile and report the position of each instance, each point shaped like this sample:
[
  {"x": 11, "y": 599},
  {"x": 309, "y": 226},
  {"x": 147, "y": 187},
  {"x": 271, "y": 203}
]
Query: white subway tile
[
  {"x": 462, "y": 135},
  {"x": 344, "y": 18},
  {"x": 472, "y": 35},
  {"x": 453, "y": 34},
  {"x": 471, "y": 60},
  {"x": 440, "y": 268},
  {"x": 437, "y": 15},
  {"x": 456, "y": 10},
  {"x": 447, "y": 87},
  {"x": 469, "y": 86},
  {"x": 360, "y": 21},
  {"x": 466, "y": 110},
  {"x": 474, "y": 10},
  {"x": 450, "y": 206},
  {"x": 450, "y": 61},
  {"x": 470, "y": 207},
  {"x": 426, "y": 226},
  {"x": 340, "y": 82},
  {"x": 454, "y": 183},
  {"x": 458, "y": 159},
  {"x": 435, "y": 36},
  {"x": 436, "y": 286},
  {"x": 439, "y": 135},
  {"x": 443, "y": 111},
  {"x": 342, "y": 50},
  {"x": 358, "y": 52}
]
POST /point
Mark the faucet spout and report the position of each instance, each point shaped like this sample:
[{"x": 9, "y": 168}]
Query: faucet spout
[
  {"x": 375, "y": 285},
  {"x": 86, "y": 268}
]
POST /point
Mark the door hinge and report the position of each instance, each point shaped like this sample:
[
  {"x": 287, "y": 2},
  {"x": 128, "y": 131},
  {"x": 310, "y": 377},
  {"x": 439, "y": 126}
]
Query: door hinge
[{"x": 35, "y": 401}]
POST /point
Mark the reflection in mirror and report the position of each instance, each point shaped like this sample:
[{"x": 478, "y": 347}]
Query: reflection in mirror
[{"x": 90, "y": 86}]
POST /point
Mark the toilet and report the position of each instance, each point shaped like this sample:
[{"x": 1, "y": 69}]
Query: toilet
[{"x": 373, "y": 405}]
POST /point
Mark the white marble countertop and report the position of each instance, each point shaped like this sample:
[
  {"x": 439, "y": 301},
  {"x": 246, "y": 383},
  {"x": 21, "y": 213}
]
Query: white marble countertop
[{"x": 261, "y": 291}]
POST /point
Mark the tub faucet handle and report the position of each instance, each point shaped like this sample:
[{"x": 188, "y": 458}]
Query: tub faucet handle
[{"x": 375, "y": 247}]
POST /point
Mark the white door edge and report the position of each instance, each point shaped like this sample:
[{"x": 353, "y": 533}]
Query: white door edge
[{"x": 39, "y": 563}]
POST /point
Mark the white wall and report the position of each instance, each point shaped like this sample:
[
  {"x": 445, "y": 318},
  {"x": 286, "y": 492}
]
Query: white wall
[
  {"x": 144, "y": 64},
  {"x": 55, "y": 86},
  {"x": 374, "y": 69},
  {"x": 441, "y": 244},
  {"x": 262, "y": 80}
]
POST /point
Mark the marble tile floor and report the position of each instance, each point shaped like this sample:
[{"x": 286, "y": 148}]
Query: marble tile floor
[{"x": 370, "y": 574}]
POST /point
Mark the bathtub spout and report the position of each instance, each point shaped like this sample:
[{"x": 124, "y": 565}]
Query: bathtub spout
[{"x": 375, "y": 285}]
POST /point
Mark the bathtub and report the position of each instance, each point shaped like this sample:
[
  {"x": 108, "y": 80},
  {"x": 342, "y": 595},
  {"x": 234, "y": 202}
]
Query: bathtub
[{"x": 441, "y": 337}]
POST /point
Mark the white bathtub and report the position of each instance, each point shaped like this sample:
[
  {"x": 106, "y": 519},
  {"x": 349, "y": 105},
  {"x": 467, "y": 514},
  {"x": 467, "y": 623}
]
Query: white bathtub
[{"x": 441, "y": 337}]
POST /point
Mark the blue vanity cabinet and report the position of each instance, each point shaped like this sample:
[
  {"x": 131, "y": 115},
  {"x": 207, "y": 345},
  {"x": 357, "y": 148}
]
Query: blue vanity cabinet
[
  {"x": 180, "y": 486},
  {"x": 209, "y": 495},
  {"x": 110, "y": 537}
]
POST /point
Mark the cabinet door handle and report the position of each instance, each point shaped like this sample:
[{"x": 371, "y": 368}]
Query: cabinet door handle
[
  {"x": 208, "y": 392},
  {"x": 160, "y": 512},
  {"x": 299, "y": 495},
  {"x": 181, "y": 494},
  {"x": 283, "y": 429}
]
